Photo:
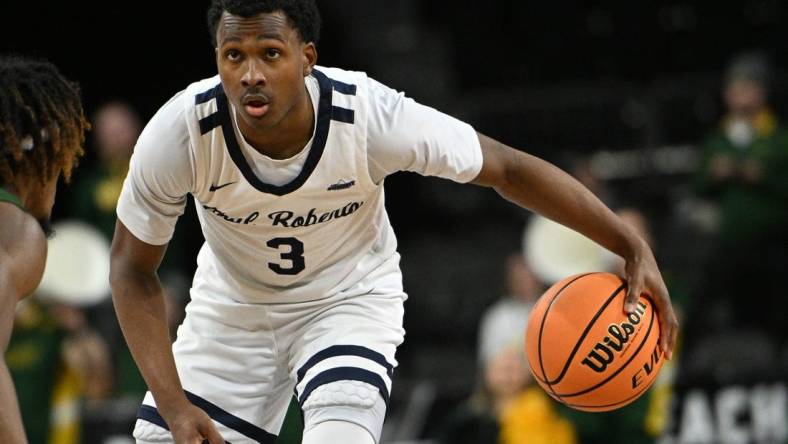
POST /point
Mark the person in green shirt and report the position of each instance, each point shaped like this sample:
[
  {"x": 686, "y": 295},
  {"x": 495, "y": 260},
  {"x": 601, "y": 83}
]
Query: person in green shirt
[
  {"x": 94, "y": 194},
  {"x": 744, "y": 158},
  {"x": 42, "y": 130},
  {"x": 743, "y": 171}
]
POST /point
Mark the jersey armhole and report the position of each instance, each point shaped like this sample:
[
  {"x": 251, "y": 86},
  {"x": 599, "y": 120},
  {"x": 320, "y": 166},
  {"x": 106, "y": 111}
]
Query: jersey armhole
[{"x": 366, "y": 97}]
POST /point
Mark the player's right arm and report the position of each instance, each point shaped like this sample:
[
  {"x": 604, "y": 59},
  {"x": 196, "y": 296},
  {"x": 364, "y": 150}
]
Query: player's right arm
[
  {"x": 160, "y": 177},
  {"x": 22, "y": 259},
  {"x": 406, "y": 136},
  {"x": 139, "y": 302}
]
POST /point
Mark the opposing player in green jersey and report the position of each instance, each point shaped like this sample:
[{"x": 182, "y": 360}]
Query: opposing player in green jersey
[{"x": 42, "y": 130}]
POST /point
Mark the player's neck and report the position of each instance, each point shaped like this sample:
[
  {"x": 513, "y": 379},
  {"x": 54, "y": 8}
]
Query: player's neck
[{"x": 288, "y": 137}]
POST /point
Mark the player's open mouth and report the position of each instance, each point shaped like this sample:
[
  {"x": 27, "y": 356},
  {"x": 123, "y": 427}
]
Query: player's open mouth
[
  {"x": 256, "y": 105},
  {"x": 256, "y": 109}
]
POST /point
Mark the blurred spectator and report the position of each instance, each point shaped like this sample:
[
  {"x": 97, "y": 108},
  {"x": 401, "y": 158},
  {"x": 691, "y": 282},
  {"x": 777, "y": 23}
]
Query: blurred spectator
[
  {"x": 743, "y": 172},
  {"x": 95, "y": 192},
  {"x": 115, "y": 130},
  {"x": 93, "y": 199},
  {"x": 507, "y": 407},
  {"x": 510, "y": 313},
  {"x": 57, "y": 362}
]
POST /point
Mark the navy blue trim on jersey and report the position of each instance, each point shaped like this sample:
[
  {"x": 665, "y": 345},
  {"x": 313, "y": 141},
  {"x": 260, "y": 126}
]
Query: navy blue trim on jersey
[
  {"x": 343, "y": 114},
  {"x": 209, "y": 95},
  {"x": 344, "y": 350},
  {"x": 322, "y": 125},
  {"x": 231, "y": 421},
  {"x": 345, "y": 374},
  {"x": 344, "y": 88},
  {"x": 150, "y": 414},
  {"x": 209, "y": 123}
]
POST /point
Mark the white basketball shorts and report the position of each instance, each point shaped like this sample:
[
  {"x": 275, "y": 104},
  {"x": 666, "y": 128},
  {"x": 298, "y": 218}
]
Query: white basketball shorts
[{"x": 241, "y": 363}]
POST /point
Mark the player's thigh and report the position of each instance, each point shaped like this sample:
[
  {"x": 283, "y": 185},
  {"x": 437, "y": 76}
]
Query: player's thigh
[{"x": 232, "y": 372}]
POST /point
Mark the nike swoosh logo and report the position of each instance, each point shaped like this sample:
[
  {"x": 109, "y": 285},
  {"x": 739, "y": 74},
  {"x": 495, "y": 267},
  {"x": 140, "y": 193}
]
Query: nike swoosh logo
[
  {"x": 341, "y": 185},
  {"x": 219, "y": 187}
]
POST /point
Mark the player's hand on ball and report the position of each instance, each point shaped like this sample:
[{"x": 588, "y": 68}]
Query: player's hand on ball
[
  {"x": 643, "y": 276},
  {"x": 191, "y": 425}
]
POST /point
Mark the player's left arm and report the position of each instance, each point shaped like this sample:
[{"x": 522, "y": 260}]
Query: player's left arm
[
  {"x": 11, "y": 429},
  {"x": 541, "y": 187},
  {"x": 22, "y": 259}
]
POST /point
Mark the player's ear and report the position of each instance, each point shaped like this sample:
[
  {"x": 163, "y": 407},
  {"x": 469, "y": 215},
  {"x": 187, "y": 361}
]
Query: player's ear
[{"x": 309, "y": 54}]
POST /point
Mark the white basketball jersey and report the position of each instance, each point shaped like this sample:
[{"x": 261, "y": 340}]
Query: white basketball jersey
[
  {"x": 306, "y": 239},
  {"x": 312, "y": 237}
]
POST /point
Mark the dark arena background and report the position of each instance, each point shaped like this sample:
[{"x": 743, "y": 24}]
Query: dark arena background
[{"x": 630, "y": 97}]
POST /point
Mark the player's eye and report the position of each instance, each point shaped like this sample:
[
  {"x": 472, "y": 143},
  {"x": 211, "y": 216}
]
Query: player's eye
[
  {"x": 272, "y": 53},
  {"x": 232, "y": 55}
]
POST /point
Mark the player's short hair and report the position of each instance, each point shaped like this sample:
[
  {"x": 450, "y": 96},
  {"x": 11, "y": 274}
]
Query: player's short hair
[
  {"x": 42, "y": 123},
  {"x": 303, "y": 14}
]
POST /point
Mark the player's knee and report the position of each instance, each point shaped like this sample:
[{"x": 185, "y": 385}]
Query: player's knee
[
  {"x": 355, "y": 402},
  {"x": 356, "y": 394}
]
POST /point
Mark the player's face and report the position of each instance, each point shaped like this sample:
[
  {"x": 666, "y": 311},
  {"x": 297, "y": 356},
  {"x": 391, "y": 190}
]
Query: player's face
[{"x": 262, "y": 63}]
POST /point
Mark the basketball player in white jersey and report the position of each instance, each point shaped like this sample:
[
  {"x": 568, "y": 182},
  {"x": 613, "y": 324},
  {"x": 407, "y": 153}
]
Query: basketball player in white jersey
[{"x": 298, "y": 287}]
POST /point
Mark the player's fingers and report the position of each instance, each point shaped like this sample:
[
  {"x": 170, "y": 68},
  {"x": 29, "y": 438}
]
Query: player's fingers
[
  {"x": 209, "y": 431},
  {"x": 667, "y": 337},
  {"x": 668, "y": 324},
  {"x": 674, "y": 333},
  {"x": 187, "y": 435},
  {"x": 634, "y": 290}
]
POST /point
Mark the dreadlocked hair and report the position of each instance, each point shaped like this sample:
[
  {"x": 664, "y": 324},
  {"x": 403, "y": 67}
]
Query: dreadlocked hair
[{"x": 42, "y": 123}]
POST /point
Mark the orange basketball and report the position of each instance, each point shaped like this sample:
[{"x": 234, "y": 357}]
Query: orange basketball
[{"x": 585, "y": 351}]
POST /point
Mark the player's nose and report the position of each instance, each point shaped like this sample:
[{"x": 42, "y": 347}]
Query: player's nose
[{"x": 253, "y": 74}]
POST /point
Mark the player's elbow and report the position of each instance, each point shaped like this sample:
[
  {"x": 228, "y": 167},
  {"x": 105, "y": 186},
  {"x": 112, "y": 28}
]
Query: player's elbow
[
  {"x": 119, "y": 266},
  {"x": 124, "y": 274},
  {"x": 499, "y": 164},
  {"x": 511, "y": 171},
  {"x": 117, "y": 273},
  {"x": 132, "y": 261}
]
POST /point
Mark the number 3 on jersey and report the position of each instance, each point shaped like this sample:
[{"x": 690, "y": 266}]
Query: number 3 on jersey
[{"x": 295, "y": 255}]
